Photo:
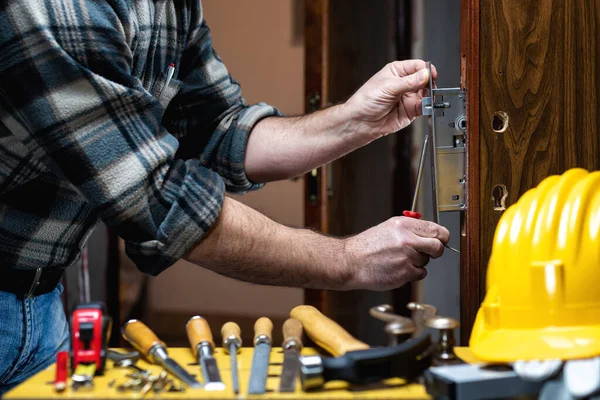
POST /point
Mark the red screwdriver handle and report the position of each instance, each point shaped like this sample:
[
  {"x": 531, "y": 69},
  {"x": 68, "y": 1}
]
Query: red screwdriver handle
[{"x": 412, "y": 214}]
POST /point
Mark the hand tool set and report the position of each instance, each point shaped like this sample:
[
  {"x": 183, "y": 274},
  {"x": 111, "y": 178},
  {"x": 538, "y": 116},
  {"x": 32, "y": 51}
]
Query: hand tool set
[{"x": 151, "y": 369}]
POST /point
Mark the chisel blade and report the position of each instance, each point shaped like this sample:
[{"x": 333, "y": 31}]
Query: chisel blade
[
  {"x": 291, "y": 366},
  {"x": 174, "y": 369},
  {"x": 234, "y": 370},
  {"x": 210, "y": 372},
  {"x": 260, "y": 367}
]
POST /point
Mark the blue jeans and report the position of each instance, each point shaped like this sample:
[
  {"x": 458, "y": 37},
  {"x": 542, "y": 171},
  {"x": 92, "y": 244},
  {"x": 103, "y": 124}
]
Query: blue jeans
[{"x": 32, "y": 331}]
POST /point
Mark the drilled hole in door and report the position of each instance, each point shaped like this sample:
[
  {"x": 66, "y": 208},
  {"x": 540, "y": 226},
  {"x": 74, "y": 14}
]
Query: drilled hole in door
[
  {"x": 499, "y": 195},
  {"x": 500, "y": 121}
]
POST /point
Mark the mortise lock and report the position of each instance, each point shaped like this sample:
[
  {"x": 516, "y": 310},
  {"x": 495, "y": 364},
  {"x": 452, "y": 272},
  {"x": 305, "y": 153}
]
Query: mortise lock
[{"x": 446, "y": 108}]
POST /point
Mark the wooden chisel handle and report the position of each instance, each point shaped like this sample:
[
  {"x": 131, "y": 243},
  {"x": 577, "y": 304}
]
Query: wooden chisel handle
[
  {"x": 292, "y": 334},
  {"x": 198, "y": 331},
  {"x": 141, "y": 337},
  {"x": 325, "y": 332},
  {"x": 231, "y": 333},
  {"x": 263, "y": 329}
]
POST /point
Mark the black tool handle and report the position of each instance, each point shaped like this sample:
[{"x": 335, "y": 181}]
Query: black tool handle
[{"x": 407, "y": 360}]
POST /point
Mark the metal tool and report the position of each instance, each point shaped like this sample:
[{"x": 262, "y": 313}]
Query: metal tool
[
  {"x": 83, "y": 377},
  {"x": 117, "y": 355},
  {"x": 354, "y": 361},
  {"x": 232, "y": 342},
  {"x": 260, "y": 360},
  {"x": 423, "y": 312},
  {"x": 143, "y": 383},
  {"x": 447, "y": 153},
  {"x": 126, "y": 360},
  {"x": 397, "y": 328},
  {"x": 148, "y": 344},
  {"x": 477, "y": 381},
  {"x": 203, "y": 345},
  {"x": 445, "y": 347},
  {"x": 432, "y": 153},
  {"x": 128, "y": 363},
  {"x": 292, "y": 345},
  {"x": 413, "y": 213}
]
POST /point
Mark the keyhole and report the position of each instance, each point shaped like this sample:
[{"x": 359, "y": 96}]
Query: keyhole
[
  {"x": 499, "y": 194},
  {"x": 500, "y": 121}
]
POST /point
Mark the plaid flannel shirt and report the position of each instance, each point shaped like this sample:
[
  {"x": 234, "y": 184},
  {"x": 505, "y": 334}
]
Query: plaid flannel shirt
[{"x": 91, "y": 127}]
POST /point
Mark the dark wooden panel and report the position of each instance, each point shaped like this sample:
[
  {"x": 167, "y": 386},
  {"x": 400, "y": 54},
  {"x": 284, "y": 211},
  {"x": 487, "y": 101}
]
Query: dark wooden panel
[
  {"x": 538, "y": 64},
  {"x": 364, "y": 36},
  {"x": 403, "y": 176},
  {"x": 470, "y": 289},
  {"x": 316, "y": 78}
]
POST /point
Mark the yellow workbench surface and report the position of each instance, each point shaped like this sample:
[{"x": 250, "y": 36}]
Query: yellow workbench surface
[{"x": 41, "y": 385}]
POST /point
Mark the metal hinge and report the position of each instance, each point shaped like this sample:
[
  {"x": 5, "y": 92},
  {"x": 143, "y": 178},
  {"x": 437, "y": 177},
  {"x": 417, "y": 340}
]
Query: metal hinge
[{"x": 446, "y": 109}]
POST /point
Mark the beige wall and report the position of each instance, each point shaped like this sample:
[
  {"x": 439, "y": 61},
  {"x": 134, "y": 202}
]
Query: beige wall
[{"x": 258, "y": 43}]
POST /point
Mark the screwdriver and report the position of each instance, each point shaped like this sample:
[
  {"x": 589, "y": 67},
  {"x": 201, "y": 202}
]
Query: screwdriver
[
  {"x": 412, "y": 213},
  {"x": 232, "y": 341}
]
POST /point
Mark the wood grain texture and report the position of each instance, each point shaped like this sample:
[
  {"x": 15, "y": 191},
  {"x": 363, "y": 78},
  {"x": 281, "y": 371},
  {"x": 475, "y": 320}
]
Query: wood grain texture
[
  {"x": 230, "y": 331},
  {"x": 470, "y": 288},
  {"x": 263, "y": 327},
  {"x": 327, "y": 333},
  {"x": 169, "y": 326},
  {"x": 539, "y": 64},
  {"x": 198, "y": 331},
  {"x": 141, "y": 337},
  {"x": 292, "y": 332}
]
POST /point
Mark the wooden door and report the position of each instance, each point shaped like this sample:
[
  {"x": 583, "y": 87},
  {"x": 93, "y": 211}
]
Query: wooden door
[
  {"x": 316, "y": 52},
  {"x": 531, "y": 69}
]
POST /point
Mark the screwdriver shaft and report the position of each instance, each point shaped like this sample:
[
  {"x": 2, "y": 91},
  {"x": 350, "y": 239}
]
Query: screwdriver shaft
[
  {"x": 451, "y": 248},
  {"x": 419, "y": 174},
  {"x": 234, "y": 370}
]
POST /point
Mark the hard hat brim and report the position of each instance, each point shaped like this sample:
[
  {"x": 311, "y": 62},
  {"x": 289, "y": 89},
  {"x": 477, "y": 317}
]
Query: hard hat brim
[{"x": 552, "y": 343}]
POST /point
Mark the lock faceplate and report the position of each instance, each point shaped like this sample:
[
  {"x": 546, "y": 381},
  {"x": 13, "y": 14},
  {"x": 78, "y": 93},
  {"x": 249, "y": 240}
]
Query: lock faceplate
[{"x": 448, "y": 127}]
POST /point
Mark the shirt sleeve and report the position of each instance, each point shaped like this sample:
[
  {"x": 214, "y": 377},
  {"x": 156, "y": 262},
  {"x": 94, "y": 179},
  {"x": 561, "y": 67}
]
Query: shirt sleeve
[
  {"x": 67, "y": 93},
  {"x": 209, "y": 115}
]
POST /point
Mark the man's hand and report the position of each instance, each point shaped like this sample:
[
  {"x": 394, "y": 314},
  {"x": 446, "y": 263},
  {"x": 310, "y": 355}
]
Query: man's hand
[
  {"x": 248, "y": 246},
  {"x": 390, "y": 100},
  {"x": 393, "y": 253},
  {"x": 281, "y": 148}
]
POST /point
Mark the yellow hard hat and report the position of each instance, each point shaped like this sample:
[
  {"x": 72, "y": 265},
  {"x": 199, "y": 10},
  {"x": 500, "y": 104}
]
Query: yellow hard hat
[{"x": 543, "y": 282}]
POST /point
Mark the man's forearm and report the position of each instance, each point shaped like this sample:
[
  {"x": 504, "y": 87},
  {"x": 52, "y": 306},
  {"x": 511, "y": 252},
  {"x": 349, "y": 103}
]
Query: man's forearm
[
  {"x": 246, "y": 245},
  {"x": 281, "y": 148}
]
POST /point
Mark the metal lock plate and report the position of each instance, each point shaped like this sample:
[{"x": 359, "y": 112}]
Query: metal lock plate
[
  {"x": 446, "y": 109},
  {"x": 450, "y": 131}
]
